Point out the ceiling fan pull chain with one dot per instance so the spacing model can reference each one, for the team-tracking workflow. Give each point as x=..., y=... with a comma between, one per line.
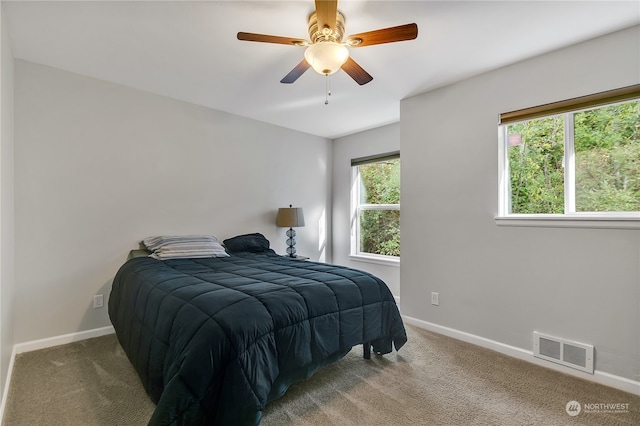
x=327, y=85
x=327, y=89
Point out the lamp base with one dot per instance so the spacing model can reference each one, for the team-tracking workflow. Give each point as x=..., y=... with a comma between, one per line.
x=291, y=242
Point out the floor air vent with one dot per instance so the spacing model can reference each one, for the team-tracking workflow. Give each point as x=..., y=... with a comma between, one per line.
x=565, y=352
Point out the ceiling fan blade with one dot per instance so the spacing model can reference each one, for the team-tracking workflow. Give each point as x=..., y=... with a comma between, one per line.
x=385, y=35
x=356, y=72
x=296, y=72
x=326, y=12
x=271, y=39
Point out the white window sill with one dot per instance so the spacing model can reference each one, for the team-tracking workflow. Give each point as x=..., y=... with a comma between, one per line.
x=631, y=221
x=380, y=260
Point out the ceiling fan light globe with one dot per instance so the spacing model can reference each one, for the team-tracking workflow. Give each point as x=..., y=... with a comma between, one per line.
x=326, y=57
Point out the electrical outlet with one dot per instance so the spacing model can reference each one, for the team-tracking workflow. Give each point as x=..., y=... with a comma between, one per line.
x=98, y=301
x=434, y=298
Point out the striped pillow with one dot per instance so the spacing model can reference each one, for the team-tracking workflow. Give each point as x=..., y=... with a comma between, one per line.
x=184, y=246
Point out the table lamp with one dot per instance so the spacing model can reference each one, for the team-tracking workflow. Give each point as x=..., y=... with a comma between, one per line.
x=290, y=217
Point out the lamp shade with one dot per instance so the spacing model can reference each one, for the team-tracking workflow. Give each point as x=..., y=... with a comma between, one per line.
x=290, y=217
x=326, y=57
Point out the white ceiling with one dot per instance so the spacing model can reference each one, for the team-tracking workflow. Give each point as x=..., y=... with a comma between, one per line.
x=188, y=50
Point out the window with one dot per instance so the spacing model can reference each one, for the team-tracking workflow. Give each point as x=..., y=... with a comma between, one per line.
x=375, y=195
x=577, y=159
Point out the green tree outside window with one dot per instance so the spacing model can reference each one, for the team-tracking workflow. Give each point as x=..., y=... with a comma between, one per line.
x=607, y=161
x=379, y=207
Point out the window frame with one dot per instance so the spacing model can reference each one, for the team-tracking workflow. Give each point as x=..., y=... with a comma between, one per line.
x=570, y=218
x=357, y=208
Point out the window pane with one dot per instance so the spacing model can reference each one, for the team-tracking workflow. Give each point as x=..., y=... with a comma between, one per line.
x=607, y=153
x=536, y=151
x=380, y=182
x=380, y=232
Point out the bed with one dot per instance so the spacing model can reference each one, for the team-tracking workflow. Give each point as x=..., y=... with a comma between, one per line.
x=214, y=339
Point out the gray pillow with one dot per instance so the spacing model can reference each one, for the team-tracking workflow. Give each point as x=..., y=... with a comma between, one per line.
x=184, y=246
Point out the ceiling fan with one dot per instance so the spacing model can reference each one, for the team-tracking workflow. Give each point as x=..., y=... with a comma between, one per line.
x=326, y=53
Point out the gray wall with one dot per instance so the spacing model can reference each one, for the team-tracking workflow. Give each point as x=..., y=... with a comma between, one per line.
x=7, y=269
x=502, y=283
x=376, y=141
x=99, y=166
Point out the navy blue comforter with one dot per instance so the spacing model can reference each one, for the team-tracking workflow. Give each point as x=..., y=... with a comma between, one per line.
x=214, y=340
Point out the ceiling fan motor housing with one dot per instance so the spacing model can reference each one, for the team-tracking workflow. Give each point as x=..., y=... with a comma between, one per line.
x=326, y=34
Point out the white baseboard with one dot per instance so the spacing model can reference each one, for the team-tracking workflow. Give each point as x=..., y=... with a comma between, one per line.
x=35, y=345
x=617, y=382
x=5, y=392
x=42, y=344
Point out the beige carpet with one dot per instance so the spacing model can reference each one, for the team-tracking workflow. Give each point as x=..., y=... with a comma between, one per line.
x=434, y=380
